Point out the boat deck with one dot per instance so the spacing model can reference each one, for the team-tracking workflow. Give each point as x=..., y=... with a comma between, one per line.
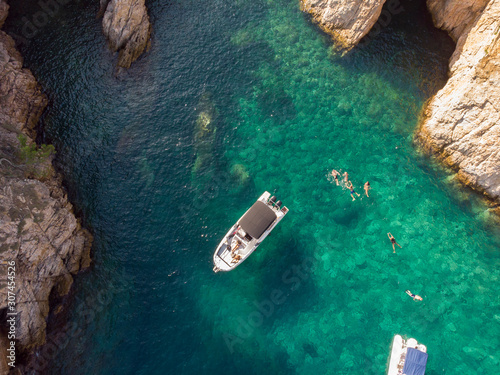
x=248, y=232
x=238, y=249
x=399, y=350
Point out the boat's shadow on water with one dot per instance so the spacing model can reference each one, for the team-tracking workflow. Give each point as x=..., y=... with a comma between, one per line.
x=287, y=285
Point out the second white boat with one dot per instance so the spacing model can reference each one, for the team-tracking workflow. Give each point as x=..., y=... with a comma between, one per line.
x=408, y=357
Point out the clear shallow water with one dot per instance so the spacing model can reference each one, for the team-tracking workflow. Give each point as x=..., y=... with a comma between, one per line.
x=286, y=111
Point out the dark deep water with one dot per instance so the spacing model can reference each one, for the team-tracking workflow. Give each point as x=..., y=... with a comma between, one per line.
x=286, y=110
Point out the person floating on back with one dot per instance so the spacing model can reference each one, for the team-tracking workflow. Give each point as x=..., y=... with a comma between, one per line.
x=414, y=296
x=335, y=175
x=367, y=187
x=351, y=188
x=393, y=241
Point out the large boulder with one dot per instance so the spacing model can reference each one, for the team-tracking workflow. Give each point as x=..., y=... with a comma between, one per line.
x=126, y=25
x=461, y=122
x=347, y=21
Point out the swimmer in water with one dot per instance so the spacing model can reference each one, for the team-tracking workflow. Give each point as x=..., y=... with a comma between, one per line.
x=351, y=189
x=393, y=241
x=335, y=175
x=414, y=296
x=346, y=177
x=367, y=187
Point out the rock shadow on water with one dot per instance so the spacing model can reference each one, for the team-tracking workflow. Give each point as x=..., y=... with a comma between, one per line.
x=347, y=216
x=272, y=359
x=310, y=348
x=130, y=136
x=127, y=151
x=146, y=170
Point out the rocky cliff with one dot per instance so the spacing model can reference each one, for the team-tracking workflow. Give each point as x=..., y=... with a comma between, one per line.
x=126, y=25
x=38, y=230
x=455, y=16
x=347, y=21
x=461, y=123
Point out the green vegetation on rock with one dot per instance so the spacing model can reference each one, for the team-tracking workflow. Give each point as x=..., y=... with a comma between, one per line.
x=35, y=158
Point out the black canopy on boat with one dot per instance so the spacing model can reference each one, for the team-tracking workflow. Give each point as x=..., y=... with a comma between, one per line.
x=258, y=218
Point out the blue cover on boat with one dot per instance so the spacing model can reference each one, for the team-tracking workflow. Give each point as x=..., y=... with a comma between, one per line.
x=415, y=362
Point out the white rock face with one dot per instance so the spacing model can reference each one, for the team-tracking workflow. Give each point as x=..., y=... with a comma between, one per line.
x=126, y=25
x=462, y=121
x=347, y=21
x=455, y=16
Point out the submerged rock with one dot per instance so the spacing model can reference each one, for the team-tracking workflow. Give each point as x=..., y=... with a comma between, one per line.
x=146, y=171
x=127, y=27
x=347, y=21
x=240, y=175
x=204, y=138
x=460, y=123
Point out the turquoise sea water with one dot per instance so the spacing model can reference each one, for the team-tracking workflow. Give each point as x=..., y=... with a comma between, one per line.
x=324, y=294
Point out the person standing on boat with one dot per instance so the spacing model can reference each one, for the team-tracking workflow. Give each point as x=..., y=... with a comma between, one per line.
x=414, y=296
x=351, y=189
x=335, y=175
x=367, y=187
x=393, y=241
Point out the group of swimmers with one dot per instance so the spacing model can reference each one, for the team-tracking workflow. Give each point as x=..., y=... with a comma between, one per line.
x=348, y=184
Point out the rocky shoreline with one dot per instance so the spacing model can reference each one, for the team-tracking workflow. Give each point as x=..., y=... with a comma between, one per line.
x=38, y=230
x=460, y=123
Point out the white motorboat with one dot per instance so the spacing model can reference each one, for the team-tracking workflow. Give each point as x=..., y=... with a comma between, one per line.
x=408, y=357
x=248, y=232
